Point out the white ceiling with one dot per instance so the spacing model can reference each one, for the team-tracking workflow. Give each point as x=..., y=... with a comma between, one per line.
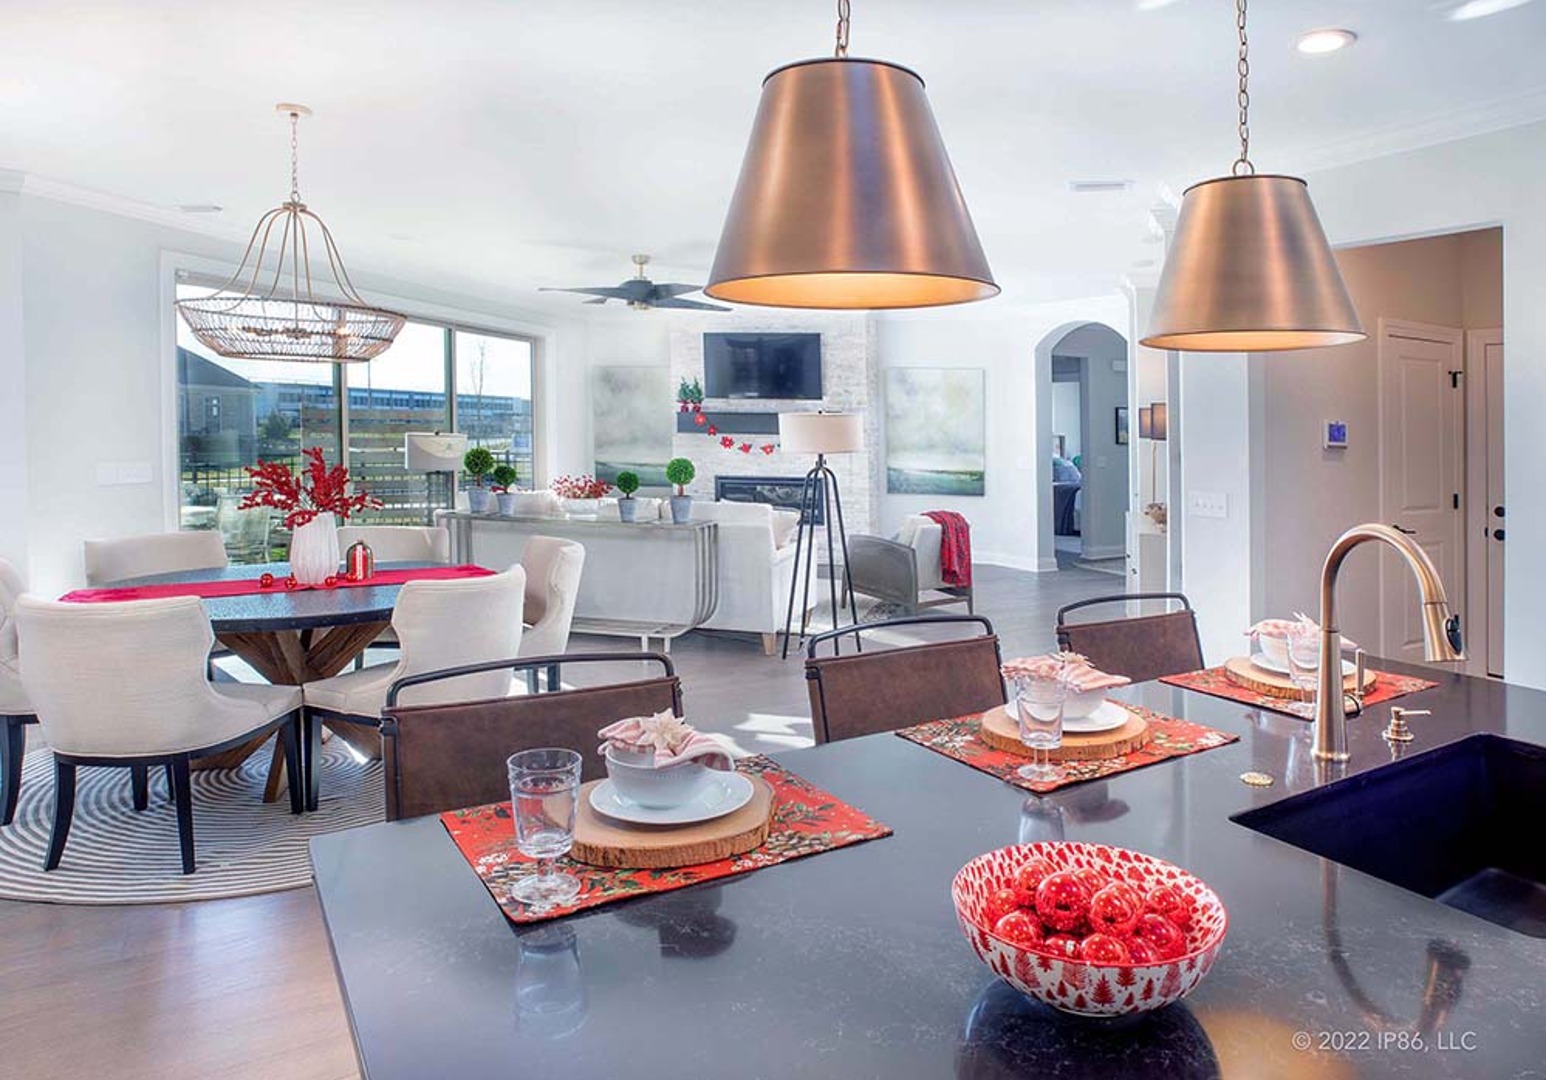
x=511, y=144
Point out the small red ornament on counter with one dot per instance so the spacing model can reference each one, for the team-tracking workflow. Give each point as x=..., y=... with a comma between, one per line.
x=266, y=580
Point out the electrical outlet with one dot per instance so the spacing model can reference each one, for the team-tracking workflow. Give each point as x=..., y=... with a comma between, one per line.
x=1207, y=504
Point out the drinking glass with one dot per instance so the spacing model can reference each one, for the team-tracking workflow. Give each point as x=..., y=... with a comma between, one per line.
x=544, y=793
x=1039, y=709
x=1304, y=659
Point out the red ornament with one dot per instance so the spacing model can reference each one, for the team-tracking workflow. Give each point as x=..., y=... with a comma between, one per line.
x=682, y=406
x=330, y=582
x=291, y=583
x=700, y=419
x=726, y=441
x=713, y=430
x=266, y=581
x=746, y=448
x=696, y=407
x=768, y=448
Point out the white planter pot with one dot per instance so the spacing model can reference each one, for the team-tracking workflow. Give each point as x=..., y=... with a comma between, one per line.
x=681, y=509
x=627, y=509
x=480, y=500
x=314, y=554
x=506, y=503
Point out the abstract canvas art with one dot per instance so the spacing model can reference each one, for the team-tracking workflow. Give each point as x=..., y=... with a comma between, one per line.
x=633, y=417
x=936, y=431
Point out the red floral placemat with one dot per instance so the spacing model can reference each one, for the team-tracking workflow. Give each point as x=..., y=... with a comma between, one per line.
x=1215, y=681
x=1168, y=738
x=806, y=821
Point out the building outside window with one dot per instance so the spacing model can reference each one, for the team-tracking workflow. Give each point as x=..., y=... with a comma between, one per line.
x=231, y=413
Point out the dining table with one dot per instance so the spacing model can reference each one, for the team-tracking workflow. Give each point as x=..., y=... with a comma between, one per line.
x=850, y=963
x=291, y=637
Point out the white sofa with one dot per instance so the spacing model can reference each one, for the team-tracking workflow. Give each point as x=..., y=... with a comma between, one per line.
x=756, y=565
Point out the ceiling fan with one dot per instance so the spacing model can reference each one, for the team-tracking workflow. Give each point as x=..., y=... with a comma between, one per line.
x=642, y=294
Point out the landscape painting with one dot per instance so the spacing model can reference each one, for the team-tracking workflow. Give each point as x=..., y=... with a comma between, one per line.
x=936, y=431
x=633, y=418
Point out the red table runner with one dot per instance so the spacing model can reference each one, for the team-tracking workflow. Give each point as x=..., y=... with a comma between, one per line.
x=806, y=821
x=1168, y=738
x=248, y=586
x=1215, y=681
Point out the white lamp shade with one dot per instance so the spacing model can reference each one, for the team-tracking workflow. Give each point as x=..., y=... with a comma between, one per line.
x=432, y=451
x=821, y=432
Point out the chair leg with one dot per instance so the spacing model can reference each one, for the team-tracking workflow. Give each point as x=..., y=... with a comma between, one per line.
x=311, y=729
x=139, y=779
x=553, y=680
x=531, y=680
x=295, y=770
x=64, y=810
x=12, y=748
x=183, y=795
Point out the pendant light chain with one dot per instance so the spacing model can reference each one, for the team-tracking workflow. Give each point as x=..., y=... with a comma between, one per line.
x=842, y=30
x=1243, y=166
x=295, y=159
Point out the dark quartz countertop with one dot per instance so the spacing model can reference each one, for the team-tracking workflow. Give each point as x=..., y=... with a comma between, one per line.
x=850, y=964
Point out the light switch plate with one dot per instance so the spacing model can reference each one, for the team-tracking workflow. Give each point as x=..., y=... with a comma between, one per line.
x=1208, y=504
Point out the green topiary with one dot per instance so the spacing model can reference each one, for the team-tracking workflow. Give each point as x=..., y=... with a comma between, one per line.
x=478, y=463
x=504, y=477
x=680, y=472
x=627, y=483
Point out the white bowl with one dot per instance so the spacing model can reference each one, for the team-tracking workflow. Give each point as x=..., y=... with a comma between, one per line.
x=1274, y=647
x=1081, y=703
x=638, y=781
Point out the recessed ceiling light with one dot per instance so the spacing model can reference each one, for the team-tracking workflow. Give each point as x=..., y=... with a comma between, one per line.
x=1098, y=187
x=200, y=208
x=1480, y=9
x=1320, y=42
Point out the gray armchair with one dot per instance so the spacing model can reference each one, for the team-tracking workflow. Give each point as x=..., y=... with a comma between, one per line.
x=904, y=570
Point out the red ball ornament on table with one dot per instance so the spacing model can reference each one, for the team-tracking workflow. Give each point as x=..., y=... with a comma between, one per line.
x=1115, y=909
x=1062, y=900
x=291, y=583
x=1019, y=928
x=266, y=581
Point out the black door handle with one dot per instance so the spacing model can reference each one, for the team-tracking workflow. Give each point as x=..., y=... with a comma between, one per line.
x=1497, y=534
x=1497, y=511
x=1399, y=529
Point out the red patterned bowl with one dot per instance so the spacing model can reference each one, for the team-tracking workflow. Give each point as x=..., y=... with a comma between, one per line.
x=1078, y=986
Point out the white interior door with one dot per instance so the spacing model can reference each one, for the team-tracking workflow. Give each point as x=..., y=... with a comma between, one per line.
x=1421, y=468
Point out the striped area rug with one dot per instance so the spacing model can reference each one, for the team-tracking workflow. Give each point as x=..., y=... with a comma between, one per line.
x=116, y=856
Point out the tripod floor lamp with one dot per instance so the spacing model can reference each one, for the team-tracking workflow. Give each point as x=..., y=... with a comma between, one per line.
x=819, y=433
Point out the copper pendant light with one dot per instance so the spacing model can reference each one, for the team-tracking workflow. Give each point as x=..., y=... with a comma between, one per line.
x=846, y=197
x=274, y=314
x=1250, y=269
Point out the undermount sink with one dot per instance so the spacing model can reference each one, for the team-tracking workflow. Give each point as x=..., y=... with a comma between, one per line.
x=1439, y=824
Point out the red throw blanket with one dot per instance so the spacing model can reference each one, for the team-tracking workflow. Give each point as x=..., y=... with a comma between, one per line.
x=247, y=586
x=955, y=548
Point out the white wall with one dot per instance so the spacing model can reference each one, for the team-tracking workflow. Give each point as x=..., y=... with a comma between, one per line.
x=1488, y=180
x=1104, y=498
x=1066, y=418
x=95, y=294
x=1012, y=522
x=13, y=381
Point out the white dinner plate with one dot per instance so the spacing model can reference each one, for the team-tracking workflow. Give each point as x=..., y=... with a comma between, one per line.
x=1266, y=663
x=721, y=793
x=1107, y=717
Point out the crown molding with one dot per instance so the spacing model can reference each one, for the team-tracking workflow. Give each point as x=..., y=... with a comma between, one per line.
x=46, y=187
x=1484, y=118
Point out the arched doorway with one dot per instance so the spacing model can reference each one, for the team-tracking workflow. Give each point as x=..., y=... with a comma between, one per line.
x=1084, y=434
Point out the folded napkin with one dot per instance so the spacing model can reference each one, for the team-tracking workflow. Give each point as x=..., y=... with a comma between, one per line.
x=667, y=740
x=1075, y=670
x=1279, y=628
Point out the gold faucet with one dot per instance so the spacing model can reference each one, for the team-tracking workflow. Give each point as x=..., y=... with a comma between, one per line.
x=1441, y=629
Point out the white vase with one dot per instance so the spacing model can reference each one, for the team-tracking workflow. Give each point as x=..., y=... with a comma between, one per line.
x=314, y=554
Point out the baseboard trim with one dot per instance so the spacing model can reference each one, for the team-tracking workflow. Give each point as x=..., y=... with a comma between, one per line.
x=1109, y=552
x=1013, y=562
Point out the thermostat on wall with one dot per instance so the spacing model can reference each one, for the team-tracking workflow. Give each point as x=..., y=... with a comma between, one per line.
x=1336, y=434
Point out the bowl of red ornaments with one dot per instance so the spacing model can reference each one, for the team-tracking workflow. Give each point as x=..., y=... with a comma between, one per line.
x=1089, y=929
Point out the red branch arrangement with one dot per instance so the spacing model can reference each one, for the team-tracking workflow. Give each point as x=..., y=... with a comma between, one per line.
x=316, y=489
x=580, y=487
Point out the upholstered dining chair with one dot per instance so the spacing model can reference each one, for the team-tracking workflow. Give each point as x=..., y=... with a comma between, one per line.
x=15, y=709
x=1142, y=647
x=400, y=543
x=553, y=568
x=123, y=685
x=439, y=624
x=866, y=692
x=108, y=561
x=450, y=755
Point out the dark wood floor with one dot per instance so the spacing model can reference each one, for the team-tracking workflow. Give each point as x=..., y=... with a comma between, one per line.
x=245, y=989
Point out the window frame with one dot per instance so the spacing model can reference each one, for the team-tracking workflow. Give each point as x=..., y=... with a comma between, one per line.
x=184, y=269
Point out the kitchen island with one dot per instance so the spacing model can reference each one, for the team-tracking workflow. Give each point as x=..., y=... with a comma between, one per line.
x=850, y=963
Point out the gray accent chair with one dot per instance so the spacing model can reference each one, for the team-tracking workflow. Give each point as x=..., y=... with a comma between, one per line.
x=904, y=570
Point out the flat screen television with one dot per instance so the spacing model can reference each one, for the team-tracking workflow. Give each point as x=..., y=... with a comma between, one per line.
x=762, y=366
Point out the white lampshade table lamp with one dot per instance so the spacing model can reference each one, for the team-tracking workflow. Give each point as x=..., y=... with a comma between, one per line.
x=819, y=433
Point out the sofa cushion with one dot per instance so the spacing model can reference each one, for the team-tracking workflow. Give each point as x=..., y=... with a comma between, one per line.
x=785, y=522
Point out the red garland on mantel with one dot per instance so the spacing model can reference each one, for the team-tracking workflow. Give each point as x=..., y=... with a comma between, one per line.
x=700, y=418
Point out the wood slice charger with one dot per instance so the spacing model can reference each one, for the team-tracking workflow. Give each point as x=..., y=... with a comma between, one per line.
x=1240, y=671
x=1000, y=731
x=600, y=841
